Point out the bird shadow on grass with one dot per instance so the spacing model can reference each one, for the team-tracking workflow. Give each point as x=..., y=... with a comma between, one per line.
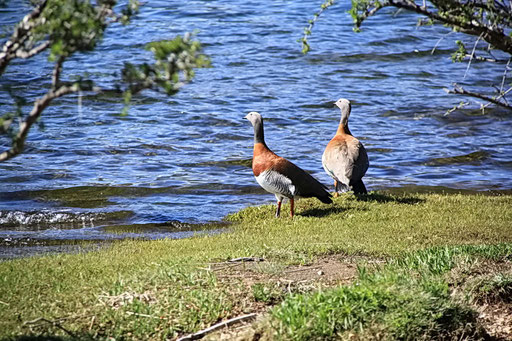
x=371, y=197
x=326, y=211
x=384, y=198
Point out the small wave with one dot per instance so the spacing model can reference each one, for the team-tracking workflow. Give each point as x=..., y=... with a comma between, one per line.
x=23, y=220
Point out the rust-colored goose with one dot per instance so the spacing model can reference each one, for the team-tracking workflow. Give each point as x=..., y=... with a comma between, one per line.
x=278, y=175
x=345, y=158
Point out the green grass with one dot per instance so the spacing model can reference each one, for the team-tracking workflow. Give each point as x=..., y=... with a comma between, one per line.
x=268, y=293
x=408, y=299
x=160, y=289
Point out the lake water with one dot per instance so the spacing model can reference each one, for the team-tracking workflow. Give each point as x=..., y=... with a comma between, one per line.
x=176, y=162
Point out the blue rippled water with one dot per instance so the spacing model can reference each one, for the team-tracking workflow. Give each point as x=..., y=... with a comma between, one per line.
x=185, y=158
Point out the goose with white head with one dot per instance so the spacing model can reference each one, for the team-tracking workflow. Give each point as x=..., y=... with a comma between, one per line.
x=345, y=158
x=278, y=175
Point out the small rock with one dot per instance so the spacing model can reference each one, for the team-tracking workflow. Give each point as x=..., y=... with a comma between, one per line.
x=320, y=272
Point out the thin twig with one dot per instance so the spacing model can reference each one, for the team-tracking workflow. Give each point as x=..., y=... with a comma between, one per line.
x=472, y=55
x=246, y=259
x=241, y=259
x=484, y=59
x=397, y=12
x=504, y=76
x=200, y=334
x=53, y=323
x=307, y=31
x=501, y=95
x=439, y=41
x=227, y=267
x=459, y=106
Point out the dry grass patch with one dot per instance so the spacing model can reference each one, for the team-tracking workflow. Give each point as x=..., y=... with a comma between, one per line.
x=487, y=286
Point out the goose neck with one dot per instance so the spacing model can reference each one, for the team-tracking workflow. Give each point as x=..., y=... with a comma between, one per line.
x=343, y=129
x=258, y=132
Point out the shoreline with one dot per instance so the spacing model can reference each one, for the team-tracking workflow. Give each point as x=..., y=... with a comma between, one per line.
x=11, y=248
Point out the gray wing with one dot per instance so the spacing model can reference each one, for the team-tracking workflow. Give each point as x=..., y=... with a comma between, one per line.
x=360, y=163
x=346, y=162
x=305, y=185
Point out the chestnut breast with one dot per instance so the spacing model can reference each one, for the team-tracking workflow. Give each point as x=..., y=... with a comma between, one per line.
x=264, y=159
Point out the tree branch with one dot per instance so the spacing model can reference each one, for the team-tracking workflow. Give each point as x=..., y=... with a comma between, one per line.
x=49, y=23
x=495, y=100
x=307, y=31
x=11, y=47
x=487, y=20
x=39, y=106
x=493, y=36
x=370, y=12
x=56, y=72
x=27, y=54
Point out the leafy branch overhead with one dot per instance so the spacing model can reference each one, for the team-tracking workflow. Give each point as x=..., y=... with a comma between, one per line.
x=62, y=28
x=175, y=61
x=488, y=20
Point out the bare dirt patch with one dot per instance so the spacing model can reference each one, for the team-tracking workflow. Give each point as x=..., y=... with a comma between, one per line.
x=265, y=284
x=489, y=298
x=496, y=319
x=327, y=271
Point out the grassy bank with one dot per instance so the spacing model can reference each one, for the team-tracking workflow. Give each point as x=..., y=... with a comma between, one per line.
x=427, y=295
x=162, y=289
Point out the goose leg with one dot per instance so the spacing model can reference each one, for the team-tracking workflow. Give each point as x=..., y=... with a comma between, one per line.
x=278, y=210
x=336, y=188
x=292, y=207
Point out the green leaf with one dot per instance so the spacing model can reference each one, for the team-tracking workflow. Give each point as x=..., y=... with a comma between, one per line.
x=174, y=63
x=460, y=54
